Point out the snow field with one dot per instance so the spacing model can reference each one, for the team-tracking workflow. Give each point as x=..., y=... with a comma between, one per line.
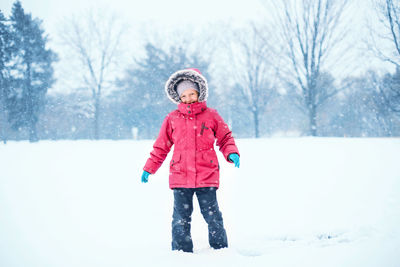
x=293, y=202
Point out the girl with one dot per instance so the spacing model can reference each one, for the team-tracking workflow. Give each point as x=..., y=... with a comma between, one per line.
x=194, y=167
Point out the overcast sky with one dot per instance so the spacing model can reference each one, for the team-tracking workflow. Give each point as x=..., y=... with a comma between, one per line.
x=171, y=11
x=141, y=14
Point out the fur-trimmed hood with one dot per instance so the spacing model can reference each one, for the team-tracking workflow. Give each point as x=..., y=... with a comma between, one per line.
x=193, y=75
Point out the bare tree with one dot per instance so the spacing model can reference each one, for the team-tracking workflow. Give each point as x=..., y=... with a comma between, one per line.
x=252, y=72
x=385, y=44
x=94, y=40
x=385, y=40
x=311, y=31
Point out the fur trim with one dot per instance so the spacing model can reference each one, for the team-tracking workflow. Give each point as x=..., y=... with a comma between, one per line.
x=187, y=74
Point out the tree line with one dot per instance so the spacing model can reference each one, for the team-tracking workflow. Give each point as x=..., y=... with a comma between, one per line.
x=273, y=77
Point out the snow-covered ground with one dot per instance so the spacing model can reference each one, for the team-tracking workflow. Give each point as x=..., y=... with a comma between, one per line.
x=293, y=202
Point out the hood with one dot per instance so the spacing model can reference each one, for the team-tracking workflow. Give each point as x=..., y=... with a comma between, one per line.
x=193, y=75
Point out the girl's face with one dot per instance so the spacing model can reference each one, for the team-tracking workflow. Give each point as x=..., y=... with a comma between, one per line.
x=189, y=96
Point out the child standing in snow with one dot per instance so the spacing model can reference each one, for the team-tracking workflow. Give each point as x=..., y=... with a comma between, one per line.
x=194, y=167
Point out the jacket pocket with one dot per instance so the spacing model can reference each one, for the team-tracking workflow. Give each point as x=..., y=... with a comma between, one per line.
x=210, y=159
x=175, y=164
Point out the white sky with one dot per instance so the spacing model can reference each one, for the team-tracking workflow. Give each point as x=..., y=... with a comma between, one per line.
x=175, y=11
x=145, y=15
x=141, y=15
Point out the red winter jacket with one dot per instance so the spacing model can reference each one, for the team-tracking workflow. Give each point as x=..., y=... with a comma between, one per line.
x=193, y=129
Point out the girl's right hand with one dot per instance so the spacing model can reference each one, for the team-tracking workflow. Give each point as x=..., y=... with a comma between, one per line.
x=145, y=177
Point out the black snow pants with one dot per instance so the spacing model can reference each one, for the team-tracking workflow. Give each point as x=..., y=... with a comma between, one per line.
x=182, y=216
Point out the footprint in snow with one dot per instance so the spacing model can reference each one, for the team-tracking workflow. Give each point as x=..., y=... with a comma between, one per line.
x=249, y=252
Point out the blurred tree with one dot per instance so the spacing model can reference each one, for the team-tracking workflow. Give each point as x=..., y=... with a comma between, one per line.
x=76, y=119
x=31, y=71
x=95, y=40
x=310, y=31
x=325, y=90
x=361, y=109
x=388, y=31
x=253, y=74
x=390, y=91
x=143, y=96
x=350, y=115
x=5, y=55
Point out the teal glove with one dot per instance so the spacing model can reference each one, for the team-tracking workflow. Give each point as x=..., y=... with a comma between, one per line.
x=235, y=159
x=145, y=177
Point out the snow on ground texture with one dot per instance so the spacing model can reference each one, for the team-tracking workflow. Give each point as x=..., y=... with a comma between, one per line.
x=293, y=202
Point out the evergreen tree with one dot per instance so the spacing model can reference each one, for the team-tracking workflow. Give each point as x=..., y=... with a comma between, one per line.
x=4, y=48
x=32, y=72
x=5, y=54
x=145, y=102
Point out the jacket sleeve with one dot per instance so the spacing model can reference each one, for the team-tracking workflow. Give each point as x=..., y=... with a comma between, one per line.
x=225, y=140
x=161, y=148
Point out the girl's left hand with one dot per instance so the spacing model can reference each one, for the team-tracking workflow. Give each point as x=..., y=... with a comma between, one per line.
x=235, y=159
